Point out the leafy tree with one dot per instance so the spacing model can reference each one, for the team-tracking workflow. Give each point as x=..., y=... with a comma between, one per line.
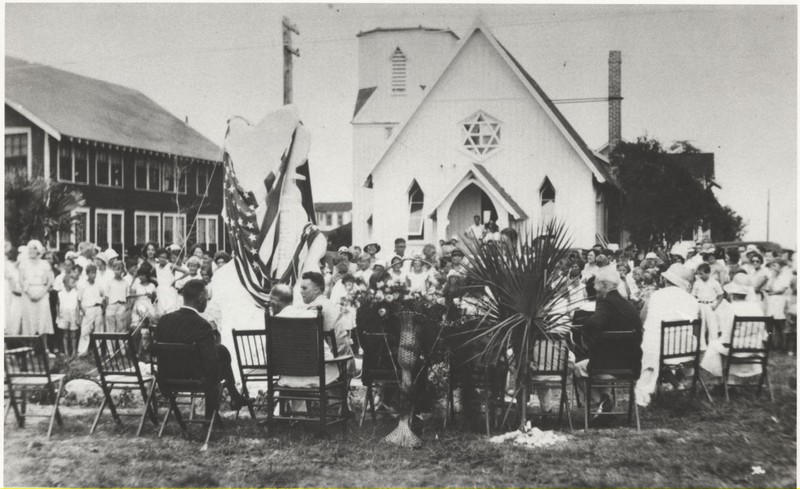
x=662, y=202
x=37, y=208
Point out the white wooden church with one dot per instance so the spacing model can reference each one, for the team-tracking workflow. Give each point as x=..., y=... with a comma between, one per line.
x=446, y=129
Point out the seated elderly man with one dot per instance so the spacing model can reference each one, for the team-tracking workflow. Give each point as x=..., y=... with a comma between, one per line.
x=671, y=303
x=186, y=325
x=612, y=313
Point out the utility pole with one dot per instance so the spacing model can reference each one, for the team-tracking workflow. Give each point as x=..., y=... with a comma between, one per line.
x=767, y=214
x=288, y=52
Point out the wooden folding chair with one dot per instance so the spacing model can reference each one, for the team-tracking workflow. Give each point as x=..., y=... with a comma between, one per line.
x=251, y=355
x=614, y=371
x=378, y=371
x=680, y=347
x=118, y=369
x=180, y=371
x=750, y=345
x=295, y=349
x=27, y=371
x=550, y=370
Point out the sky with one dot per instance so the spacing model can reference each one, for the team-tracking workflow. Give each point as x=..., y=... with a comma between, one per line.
x=722, y=77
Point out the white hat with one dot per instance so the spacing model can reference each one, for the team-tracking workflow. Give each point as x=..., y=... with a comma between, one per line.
x=71, y=255
x=679, y=250
x=679, y=275
x=741, y=284
x=651, y=255
x=379, y=263
x=751, y=247
x=612, y=247
x=111, y=253
x=174, y=247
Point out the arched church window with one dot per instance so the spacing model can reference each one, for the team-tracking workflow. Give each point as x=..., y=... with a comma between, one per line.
x=398, y=72
x=416, y=220
x=547, y=196
x=481, y=133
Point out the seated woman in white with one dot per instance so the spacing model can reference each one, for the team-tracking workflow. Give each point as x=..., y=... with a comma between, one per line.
x=738, y=291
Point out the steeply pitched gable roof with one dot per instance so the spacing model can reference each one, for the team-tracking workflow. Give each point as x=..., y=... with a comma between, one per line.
x=403, y=29
x=597, y=166
x=363, y=95
x=87, y=108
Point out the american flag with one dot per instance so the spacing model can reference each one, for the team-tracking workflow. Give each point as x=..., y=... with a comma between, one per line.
x=254, y=245
x=243, y=230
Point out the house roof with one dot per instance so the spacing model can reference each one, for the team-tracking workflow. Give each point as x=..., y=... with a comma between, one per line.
x=402, y=29
x=598, y=167
x=333, y=206
x=363, y=95
x=502, y=191
x=601, y=165
x=65, y=103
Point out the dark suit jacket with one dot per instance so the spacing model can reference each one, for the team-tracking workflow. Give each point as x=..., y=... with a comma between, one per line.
x=615, y=313
x=186, y=326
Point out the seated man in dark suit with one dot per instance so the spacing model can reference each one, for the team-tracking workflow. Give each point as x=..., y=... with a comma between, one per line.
x=612, y=313
x=187, y=326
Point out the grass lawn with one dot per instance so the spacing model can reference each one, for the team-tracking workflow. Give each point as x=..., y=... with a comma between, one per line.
x=683, y=443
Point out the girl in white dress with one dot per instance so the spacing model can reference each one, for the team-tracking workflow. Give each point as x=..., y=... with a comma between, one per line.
x=166, y=294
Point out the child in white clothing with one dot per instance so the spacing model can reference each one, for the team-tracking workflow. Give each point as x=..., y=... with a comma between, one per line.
x=709, y=294
x=67, y=319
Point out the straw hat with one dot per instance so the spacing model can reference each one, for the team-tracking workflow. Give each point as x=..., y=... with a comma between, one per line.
x=679, y=250
x=679, y=275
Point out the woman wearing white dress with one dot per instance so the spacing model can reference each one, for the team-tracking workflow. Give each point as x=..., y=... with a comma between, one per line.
x=590, y=269
x=776, y=295
x=13, y=296
x=738, y=291
x=36, y=278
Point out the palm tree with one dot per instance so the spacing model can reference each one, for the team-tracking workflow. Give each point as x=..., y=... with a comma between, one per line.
x=38, y=208
x=527, y=296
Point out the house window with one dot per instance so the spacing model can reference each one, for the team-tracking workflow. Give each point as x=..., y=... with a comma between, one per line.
x=17, y=152
x=79, y=228
x=73, y=164
x=147, y=227
x=206, y=233
x=328, y=219
x=108, y=228
x=147, y=174
x=171, y=173
x=108, y=169
x=398, y=72
x=204, y=173
x=416, y=220
x=174, y=226
x=547, y=197
x=481, y=134
x=340, y=218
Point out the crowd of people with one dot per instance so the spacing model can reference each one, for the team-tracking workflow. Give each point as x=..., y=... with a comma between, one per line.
x=67, y=296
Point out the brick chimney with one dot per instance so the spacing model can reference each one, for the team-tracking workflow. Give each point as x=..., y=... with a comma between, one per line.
x=614, y=99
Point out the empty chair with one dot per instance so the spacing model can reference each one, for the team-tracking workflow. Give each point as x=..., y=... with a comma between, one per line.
x=680, y=347
x=181, y=372
x=28, y=371
x=251, y=355
x=378, y=369
x=118, y=369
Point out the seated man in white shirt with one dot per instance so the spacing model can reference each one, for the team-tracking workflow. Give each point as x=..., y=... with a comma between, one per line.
x=312, y=288
x=280, y=304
